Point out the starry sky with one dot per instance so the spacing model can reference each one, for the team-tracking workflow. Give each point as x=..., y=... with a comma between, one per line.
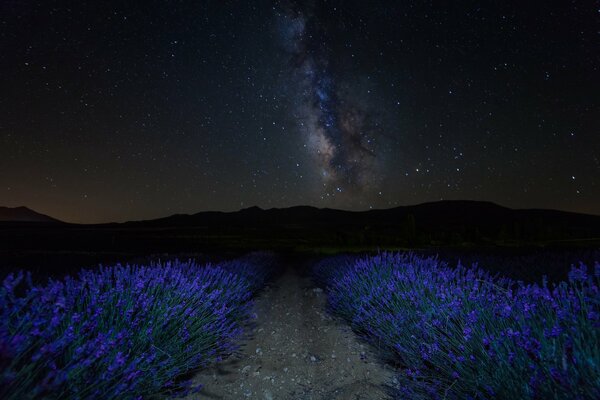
x=112, y=110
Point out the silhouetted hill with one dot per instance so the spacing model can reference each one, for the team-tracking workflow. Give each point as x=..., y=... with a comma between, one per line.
x=23, y=214
x=437, y=213
x=437, y=224
x=443, y=221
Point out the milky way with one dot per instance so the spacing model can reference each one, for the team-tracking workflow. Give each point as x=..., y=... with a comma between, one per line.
x=335, y=124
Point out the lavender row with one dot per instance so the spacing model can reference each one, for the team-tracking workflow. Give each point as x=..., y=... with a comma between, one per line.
x=124, y=332
x=460, y=333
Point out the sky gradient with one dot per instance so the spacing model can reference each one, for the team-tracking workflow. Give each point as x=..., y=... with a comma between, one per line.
x=113, y=112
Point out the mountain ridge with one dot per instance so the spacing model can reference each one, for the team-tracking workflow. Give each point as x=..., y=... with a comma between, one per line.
x=24, y=214
x=444, y=210
x=428, y=224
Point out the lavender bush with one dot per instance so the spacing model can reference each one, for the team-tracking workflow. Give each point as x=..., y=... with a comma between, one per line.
x=459, y=333
x=256, y=268
x=528, y=265
x=123, y=331
x=328, y=269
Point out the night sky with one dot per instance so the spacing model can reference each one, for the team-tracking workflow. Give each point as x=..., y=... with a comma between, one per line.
x=111, y=111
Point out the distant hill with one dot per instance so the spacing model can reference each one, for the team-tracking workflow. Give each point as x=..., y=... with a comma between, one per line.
x=444, y=221
x=23, y=214
x=462, y=212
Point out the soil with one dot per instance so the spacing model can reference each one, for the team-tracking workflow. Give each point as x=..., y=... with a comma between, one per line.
x=296, y=351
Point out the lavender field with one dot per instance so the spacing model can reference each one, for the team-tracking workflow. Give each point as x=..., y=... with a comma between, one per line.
x=434, y=329
x=123, y=332
x=461, y=333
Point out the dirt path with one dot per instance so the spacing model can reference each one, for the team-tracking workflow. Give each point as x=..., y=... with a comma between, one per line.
x=297, y=352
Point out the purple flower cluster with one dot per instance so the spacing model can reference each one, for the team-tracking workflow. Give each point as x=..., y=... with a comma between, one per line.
x=328, y=269
x=256, y=268
x=122, y=331
x=525, y=264
x=459, y=333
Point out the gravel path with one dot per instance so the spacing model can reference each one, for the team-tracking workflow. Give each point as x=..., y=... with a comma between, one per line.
x=297, y=351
